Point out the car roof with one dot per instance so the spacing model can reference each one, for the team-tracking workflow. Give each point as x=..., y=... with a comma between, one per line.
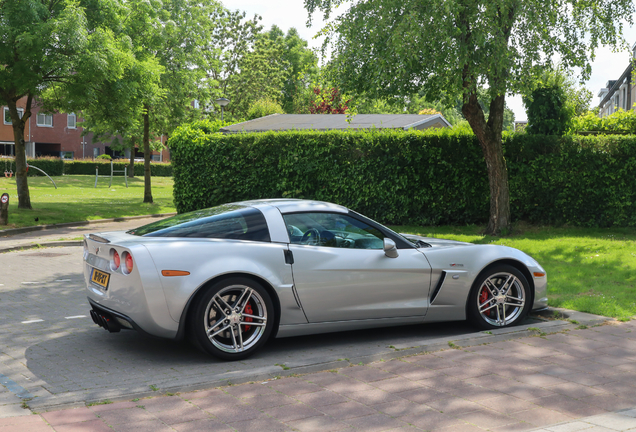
x=291, y=205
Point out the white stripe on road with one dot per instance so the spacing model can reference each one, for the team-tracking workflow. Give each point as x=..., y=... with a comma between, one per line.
x=62, y=280
x=32, y=321
x=76, y=316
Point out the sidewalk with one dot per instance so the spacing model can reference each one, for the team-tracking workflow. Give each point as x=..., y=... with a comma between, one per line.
x=68, y=235
x=582, y=379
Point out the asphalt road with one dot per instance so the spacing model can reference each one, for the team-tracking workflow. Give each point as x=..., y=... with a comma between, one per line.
x=51, y=353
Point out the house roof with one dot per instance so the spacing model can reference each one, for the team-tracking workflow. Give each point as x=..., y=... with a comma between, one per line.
x=614, y=85
x=284, y=122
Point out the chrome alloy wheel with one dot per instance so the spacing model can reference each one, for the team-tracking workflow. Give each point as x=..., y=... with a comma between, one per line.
x=235, y=318
x=501, y=299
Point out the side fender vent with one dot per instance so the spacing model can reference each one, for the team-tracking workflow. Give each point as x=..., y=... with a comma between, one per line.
x=438, y=287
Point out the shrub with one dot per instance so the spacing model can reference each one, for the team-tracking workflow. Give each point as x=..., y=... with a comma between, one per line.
x=577, y=180
x=104, y=156
x=262, y=108
x=51, y=165
x=620, y=122
x=87, y=167
x=396, y=177
x=432, y=177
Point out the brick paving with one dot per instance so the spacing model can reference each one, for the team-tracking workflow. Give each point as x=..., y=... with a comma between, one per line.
x=578, y=380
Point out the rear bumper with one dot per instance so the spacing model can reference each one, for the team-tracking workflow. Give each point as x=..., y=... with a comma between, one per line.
x=113, y=321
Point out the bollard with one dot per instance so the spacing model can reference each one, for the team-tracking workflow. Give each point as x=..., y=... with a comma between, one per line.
x=4, y=209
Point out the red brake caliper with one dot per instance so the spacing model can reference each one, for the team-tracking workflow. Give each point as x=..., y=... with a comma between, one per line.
x=483, y=297
x=248, y=310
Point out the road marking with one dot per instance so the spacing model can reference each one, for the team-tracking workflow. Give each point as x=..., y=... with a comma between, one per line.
x=32, y=321
x=1, y=284
x=75, y=316
x=62, y=280
x=15, y=388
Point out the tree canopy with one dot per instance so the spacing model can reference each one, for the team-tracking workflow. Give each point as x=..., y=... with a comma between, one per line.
x=554, y=102
x=66, y=44
x=168, y=72
x=456, y=47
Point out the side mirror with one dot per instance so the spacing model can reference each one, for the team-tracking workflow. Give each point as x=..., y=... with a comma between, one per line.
x=390, y=249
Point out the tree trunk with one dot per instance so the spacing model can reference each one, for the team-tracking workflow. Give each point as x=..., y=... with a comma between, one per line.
x=131, y=165
x=24, y=198
x=147, y=188
x=489, y=136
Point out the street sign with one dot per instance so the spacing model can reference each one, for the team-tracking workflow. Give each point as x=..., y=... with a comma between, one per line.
x=4, y=209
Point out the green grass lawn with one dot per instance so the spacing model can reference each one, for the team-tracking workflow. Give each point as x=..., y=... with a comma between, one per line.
x=76, y=199
x=589, y=270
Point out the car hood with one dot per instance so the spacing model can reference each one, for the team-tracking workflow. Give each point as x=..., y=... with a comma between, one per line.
x=437, y=242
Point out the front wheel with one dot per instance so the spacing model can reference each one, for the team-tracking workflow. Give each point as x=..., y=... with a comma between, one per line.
x=500, y=297
x=233, y=318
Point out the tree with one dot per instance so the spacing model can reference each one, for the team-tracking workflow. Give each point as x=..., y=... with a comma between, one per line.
x=262, y=73
x=233, y=38
x=299, y=62
x=553, y=103
x=262, y=108
x=329, y=100
x=168, y=72
x=456, y=47
x=65, y=43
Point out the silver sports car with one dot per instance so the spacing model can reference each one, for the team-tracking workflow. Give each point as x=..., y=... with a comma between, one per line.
x=230, y=277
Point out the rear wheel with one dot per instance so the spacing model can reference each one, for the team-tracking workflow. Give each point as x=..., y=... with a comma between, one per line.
x=501, y=297
x=233, y=319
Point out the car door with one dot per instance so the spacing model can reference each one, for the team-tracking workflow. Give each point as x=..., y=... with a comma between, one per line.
x=341, y=272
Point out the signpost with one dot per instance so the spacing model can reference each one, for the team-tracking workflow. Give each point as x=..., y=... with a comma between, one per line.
x=4, y=209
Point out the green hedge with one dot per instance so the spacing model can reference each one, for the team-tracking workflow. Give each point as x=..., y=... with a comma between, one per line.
x=395, y=177
x=578, y=180
x=436, y=177
x=57, y=167
x=87, y=167
x=51, y=166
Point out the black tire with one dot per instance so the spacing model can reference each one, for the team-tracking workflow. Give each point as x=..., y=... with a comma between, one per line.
x=500, y=297
x=221, y=311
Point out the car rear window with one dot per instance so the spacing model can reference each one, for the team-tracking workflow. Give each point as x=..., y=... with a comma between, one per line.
x=223, y=222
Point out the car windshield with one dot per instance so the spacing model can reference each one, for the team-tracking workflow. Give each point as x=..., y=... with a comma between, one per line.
x=229, y=221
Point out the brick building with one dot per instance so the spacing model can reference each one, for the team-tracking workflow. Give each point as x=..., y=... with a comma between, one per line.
x=58, y=135
x=7, y=142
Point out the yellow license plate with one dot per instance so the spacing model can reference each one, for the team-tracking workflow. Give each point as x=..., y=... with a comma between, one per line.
x=100, y=278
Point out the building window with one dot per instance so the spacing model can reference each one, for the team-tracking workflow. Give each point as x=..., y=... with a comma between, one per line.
x=71, y=121
x=45, y=120
x=7, y=115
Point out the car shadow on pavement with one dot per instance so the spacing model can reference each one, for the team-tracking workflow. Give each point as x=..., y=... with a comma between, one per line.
x=89, y=359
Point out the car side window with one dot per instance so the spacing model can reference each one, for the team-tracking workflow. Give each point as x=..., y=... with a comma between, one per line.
x=332, y=230
x=236, y=224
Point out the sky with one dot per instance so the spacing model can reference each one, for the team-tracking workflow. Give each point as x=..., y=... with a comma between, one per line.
x=292, y=13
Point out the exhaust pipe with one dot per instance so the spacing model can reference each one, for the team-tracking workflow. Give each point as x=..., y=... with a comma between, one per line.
x=106, y=321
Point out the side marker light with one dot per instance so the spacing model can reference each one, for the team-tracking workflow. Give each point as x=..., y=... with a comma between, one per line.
x=174, y=273
x=538, y=274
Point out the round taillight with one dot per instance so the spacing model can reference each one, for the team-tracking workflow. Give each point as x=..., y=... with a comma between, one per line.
x=128, y=260
x=115, y=261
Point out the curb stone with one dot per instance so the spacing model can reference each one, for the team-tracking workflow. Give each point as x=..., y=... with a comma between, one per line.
x=42, y=245
x=14, y=231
